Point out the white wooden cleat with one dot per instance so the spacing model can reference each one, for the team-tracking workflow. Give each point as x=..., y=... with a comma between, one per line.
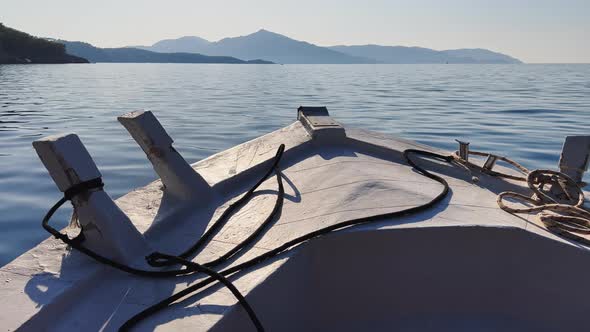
x=106, y=228
x=178, y=177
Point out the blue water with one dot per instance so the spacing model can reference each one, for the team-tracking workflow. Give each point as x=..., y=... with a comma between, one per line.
x=522, y=111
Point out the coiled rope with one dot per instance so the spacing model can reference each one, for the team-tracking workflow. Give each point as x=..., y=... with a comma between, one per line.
x=564, y=219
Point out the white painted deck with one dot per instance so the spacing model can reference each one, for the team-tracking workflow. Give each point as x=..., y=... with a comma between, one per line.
x=463, y=265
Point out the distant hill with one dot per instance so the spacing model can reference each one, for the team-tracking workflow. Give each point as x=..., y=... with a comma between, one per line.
x=281, y=49
x=17, y=47
x=480, y=55
x=134, y=55
x=402, y=54
x=188, y=44
x=259, y=45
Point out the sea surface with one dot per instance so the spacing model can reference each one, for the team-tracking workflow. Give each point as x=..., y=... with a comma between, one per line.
x=521, y=111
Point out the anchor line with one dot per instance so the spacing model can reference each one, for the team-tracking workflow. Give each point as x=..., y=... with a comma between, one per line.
x=304, y=238
x=562, y=219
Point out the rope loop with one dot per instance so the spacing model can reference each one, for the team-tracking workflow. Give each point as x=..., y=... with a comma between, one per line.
x=157, y=259
x=537, y=179
x=562, y=218
x=83, y=187
x=562, y=215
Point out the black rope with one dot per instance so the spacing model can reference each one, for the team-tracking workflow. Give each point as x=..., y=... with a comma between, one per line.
x=215, y=275
x=222, y=220
x=190, y=266
x=208, y=235
x=275, y=252
x=159, y=259
x=83, y=187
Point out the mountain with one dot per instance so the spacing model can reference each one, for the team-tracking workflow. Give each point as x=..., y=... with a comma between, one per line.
x=17, y=47
x=281, y=49
x=188, y=44
x=262, y=44
x=480, y=55
x=131, y=55
x=402, y=54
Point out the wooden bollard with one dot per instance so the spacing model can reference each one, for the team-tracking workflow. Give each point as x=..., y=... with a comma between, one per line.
x=178, y=177
x=106, y=228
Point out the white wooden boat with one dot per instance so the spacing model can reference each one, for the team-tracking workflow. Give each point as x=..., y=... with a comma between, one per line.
x=413, y=257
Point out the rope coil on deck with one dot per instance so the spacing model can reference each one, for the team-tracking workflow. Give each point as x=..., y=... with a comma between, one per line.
x=564, y=219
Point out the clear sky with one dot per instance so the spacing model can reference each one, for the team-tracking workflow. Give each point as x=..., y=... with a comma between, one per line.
x=531, y=30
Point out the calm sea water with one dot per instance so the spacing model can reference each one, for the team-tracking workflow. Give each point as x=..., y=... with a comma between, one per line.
x=522, y=111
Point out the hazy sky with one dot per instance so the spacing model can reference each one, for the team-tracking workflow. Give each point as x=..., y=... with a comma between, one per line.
x=531, y=30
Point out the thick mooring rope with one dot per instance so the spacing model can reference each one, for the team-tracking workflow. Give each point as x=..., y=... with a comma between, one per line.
x=564, y=219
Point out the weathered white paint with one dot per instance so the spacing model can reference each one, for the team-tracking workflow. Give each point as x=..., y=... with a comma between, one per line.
x=106, y=228
x=178, y=177
x=66, y=159
x=464, y=260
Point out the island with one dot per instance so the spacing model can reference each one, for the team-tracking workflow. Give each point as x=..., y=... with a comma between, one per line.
x=278, y=48
x=261, y=47
x=134, y=55
x=17, y=47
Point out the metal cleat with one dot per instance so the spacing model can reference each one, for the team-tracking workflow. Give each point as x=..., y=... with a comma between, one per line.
x=178, y=177
x=463, y=150
x=490, y=162
x=106, y=228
